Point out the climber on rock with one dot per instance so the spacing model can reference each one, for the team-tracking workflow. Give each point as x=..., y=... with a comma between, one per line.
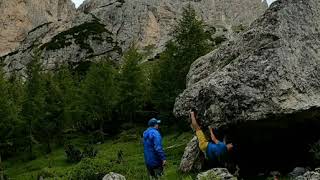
x=214, y=150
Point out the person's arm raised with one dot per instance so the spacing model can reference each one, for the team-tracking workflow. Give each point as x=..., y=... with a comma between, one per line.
x=213, y=137
x=194, y=123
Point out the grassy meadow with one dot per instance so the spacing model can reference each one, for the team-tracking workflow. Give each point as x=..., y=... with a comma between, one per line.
x=130, y=164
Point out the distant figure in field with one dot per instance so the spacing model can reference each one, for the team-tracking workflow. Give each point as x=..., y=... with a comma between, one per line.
x=154, y=155
x=214, y=150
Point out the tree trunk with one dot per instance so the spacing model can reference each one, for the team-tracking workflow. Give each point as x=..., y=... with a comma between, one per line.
x=48, y=147
x=101, y=130
x=1, y=170
x=30, y=140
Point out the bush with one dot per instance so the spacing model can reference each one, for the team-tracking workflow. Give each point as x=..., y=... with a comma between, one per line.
x=96, y=137
x=73, y=154
x=89, y=152
x=89, y=169
x=219, y=39
x=46, y=173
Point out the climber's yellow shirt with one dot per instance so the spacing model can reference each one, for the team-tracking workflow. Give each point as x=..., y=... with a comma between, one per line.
x=203, y=142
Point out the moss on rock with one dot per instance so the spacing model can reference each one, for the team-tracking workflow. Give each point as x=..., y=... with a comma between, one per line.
x=80, y=36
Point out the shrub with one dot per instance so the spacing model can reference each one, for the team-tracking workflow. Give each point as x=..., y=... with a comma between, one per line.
x=89, y=152
x=219, y=39
x=96, y=137
x=46, y=173
x=89, y=169
x=73, y=154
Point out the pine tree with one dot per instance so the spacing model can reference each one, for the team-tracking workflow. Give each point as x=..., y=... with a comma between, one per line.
x=99, y=95
x=164, y=82
x=49, y=125
x=132, y=85
x=34, y=101
x=9, y=119
x=69, y=93
x=190, y=41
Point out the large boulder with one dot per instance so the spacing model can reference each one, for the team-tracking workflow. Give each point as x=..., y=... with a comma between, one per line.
x=271, y=69
x=269, y=76
x=190, y=159
x=298, y=171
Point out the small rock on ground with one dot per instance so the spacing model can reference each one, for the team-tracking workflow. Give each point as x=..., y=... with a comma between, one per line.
x=216, y=174
x=113, y=176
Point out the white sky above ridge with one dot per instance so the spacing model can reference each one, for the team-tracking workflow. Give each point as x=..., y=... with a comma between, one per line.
x=270, y=1
x=78, y=2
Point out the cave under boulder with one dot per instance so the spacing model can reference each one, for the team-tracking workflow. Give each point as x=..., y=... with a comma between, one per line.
x=262, y=89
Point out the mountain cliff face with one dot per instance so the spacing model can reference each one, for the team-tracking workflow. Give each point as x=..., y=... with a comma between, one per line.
x=106, y=28
x=18, y=17
x=82, y=38
x=149, y=22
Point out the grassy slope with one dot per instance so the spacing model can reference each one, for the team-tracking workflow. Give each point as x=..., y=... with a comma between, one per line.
x=132, y=167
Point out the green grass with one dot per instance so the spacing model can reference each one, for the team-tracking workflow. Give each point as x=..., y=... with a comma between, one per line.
x=55, y=165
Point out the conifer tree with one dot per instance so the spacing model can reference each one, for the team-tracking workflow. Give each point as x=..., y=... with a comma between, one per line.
x=69, y=92
x=34, y=100
x=131, y=84
x=190, y=41
x=99, y=95
x=9, y=120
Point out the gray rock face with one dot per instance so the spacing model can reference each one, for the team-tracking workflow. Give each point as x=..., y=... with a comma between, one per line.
x=150, y=22
x=73, y=42
x=145, y=23
x=271, y=70
x=190, y=159
x=113, y=176
x=298, y=171
x=310, y=175
x=216, y=173
x=269, y=74
x=18, y=17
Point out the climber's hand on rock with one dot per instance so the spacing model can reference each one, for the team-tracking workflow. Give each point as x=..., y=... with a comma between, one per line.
x=192, y=114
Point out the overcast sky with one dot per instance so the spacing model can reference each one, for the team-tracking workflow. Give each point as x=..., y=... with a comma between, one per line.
x=78, y=2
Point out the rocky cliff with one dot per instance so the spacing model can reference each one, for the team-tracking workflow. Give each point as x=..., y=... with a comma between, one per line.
x=73, y=42
x=263, y=86
x=18, y=17
x=149, y=23
x=116, y=24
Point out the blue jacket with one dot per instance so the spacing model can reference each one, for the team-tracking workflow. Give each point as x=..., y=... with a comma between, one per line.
x=153, y=151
